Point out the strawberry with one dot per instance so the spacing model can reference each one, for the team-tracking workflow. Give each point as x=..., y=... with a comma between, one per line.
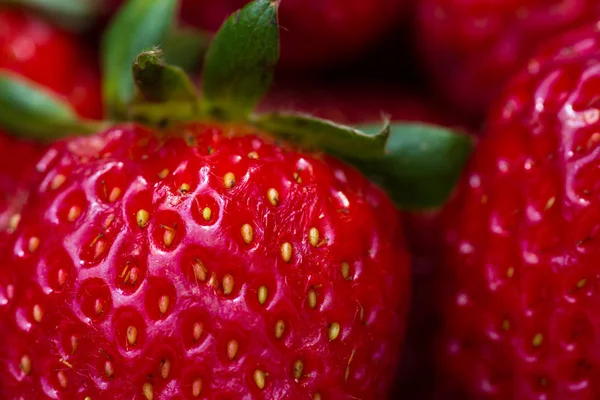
x=473, y=47
x=275, y=268
x=206, y=250
x=521, y=268
x=315, y=33
x=51, y=57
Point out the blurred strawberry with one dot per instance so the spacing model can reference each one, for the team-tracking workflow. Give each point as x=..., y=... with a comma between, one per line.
x=473, y=46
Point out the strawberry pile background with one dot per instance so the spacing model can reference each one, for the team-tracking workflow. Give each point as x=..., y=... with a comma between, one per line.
x=440, y=61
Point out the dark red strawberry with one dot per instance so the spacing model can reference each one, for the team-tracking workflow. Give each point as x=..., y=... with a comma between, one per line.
x=472, y=47
x=45, y=54
x=315, y=33
x=521, y=279
x=276, y=272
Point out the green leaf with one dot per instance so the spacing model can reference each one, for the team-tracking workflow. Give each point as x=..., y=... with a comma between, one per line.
x=139, y=25
x=319, y=134
x=422, y=163
x=29, y=110
x=185, y=47
x=160, y=82
x=71, y=14
x=238, y=68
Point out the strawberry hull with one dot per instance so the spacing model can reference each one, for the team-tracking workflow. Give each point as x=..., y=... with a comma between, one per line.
x=201, y=263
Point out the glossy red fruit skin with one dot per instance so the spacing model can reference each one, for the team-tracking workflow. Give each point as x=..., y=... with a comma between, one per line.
x=473, y=47
x=521, y=275
x=80, y=238
x=58, y=61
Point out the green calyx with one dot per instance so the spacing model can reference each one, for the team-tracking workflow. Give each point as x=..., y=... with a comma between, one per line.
x=417, y=164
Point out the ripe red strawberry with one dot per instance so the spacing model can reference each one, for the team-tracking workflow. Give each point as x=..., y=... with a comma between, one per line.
x=521, y=303
x=472, y=47
x=201, y=264
x=35, y=49
x=314, y=32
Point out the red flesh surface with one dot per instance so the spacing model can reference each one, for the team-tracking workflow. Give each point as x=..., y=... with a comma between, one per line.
x=521, y=302
x=80, y=274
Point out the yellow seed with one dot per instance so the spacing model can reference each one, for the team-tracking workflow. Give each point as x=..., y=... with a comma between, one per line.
x=196, y=388
x=312, y=298
x=313, y=236
x=581, y=283
x=286, y=252
x=259, y=379
x=74, y=343
x=114, y=194
x=262, y=295
x=62, y=379
x=199, y=270
x=550, y=203
x=273, y=196
x=99, y=248
x=232, y=349
x=168, y=237
x=333, y=331
x=132, y=335
x=87, y=398
x=247, y=233
x=37, y=313
x=109, y=369
x=74, y=213
x=253, y=155
x=163, y=304
x=142, y=217
x=506, y=324
x=298, y=368
x=510, y=272
x=57, y=181
x=148, y=391
x=165, y=368
x=25, y=365
x=163, y=173
x=197, y=331
x=65, y=362
x=34, y=243
x=345, y=270
x=98, y=306
x=206, y=213
x=538, y=338
x=229, y=180
x=317, y=396
x=14, y=221
x=227, y=284
x=279, y=329
x=297, y=177
x=184, y=188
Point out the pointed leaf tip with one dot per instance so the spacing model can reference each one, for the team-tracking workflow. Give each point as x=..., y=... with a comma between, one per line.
x=323, y=135
x=239, y=64
x=157, y=81
x=422, y=163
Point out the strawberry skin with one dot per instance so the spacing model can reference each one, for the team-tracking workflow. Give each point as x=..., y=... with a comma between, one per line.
x=201, y=265
x=521, y=276
x=31, y=47
x=472, y=47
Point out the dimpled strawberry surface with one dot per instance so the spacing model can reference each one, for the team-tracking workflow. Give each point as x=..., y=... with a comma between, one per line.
x=522, y=308
x=200, y=264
